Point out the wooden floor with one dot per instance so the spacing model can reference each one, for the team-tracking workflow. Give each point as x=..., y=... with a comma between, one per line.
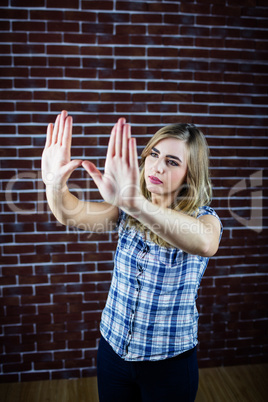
x=220, y=384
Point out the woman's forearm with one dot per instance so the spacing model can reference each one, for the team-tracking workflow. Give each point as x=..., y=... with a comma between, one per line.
x=87, y=215
x=64, y=205
x=194, y=236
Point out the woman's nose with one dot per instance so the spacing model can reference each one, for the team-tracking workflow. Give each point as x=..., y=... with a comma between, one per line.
x=159, y=166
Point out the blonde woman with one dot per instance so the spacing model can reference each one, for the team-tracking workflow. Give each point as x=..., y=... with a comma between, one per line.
x=167, y=232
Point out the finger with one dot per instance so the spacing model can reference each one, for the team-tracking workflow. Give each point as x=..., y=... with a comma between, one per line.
x=56, y=129
x=71, y=166
x=49, y=135
x=68, y=169
x=111, y=144
x=67, y=134
x=133, y=155
x=63, y=117
x=93, y=172
x=118, y=137
x=125, y=146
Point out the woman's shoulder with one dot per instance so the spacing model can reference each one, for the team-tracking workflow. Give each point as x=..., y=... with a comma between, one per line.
x=206, y=210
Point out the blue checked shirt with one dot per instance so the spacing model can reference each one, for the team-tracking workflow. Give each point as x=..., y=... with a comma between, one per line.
x=150, y=313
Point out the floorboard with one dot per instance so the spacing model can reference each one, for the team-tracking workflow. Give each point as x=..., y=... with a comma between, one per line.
x=218, y=384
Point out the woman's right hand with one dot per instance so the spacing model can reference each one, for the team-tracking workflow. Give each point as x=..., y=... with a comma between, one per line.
x=57, y=166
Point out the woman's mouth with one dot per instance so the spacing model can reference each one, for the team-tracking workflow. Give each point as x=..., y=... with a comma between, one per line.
x=155, y=180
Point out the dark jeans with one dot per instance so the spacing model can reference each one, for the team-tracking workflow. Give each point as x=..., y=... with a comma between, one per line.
x=173, y=380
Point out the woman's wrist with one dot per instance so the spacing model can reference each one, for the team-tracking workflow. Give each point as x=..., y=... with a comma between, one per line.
x=60, y=189
x=135, y=207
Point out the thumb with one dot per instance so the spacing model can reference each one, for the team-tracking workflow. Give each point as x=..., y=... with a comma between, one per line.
x=93, y=172
x=70, y=167
x=74, y=164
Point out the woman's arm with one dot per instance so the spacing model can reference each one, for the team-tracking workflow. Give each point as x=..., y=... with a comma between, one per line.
x=90, y=216
x=56, y=169
x=195, y=236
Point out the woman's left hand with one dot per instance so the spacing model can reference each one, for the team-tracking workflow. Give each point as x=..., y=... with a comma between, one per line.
x=119, y=185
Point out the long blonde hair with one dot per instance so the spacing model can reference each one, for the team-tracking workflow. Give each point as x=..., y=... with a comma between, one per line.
x=197, y=190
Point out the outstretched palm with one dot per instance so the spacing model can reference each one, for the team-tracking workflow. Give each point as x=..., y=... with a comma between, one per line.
x=56, y=159
x=119, y=185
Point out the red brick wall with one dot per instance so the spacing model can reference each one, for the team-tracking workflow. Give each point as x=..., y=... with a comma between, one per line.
x=154, y=62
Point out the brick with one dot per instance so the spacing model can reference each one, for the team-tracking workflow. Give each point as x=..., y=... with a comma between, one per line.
x=163, y=52
x=94, y=5
x=15, y=95
x=28, y=26
x=146, y=18
x=193, y=65
x=195, y=8
x=13, y=13
x=15, y=72
x=51, y=346
x=130, y=51
x=27, y=3
x=113, y=39
x=65, y=83
x=46, y=14
x=62, y=4
x=79, y=38
x=162, y=86
x=130, y=85
x=130, y=29
x=177, y=41
x=30, y=83
x=45, y=37
x=194, y=31
x=163, y=30
x=163, y=64
x=6, y=83
x=97, y=63
x=10, y=37
x=96, y=51
x=123, y=64
x=131, y=6
x=64, y=278
x=146, y=97
x=97, y=28
x=6, y=61
x=193, y=108
x=62, y=26
x=225, y=10
x=162, y=108
x=62, y=62
x=26, y=106
x=145, y=40
x=29, y=61
x=9, y=368
x=79, y=16
x=129, y=108
x=155, y=63
x=10, y=153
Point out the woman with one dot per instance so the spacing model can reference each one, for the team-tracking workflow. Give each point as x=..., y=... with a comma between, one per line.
x=167, y=233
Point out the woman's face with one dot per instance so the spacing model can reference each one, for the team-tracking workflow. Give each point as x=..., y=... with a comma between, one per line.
x=165, y=170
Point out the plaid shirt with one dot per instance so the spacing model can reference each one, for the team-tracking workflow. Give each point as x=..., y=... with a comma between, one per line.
x=150, y=313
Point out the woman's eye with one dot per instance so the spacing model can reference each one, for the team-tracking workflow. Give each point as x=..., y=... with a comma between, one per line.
x=172, y=163
x=154, y=154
